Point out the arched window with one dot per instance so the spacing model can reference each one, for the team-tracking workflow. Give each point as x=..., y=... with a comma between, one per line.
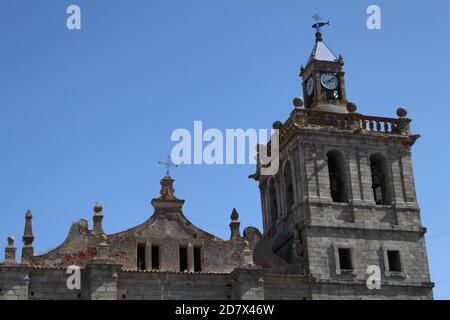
x=289, y=186
x=273, y=202
x=379, y=185
x=337, y=177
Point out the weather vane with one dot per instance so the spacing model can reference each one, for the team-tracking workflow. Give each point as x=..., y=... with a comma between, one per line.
x=319, y=24
x=169, y=164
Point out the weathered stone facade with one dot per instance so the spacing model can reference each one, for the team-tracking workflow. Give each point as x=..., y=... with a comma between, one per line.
x=343, y=201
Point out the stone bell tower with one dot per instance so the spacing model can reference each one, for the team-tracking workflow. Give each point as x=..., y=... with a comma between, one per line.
x=343, y=202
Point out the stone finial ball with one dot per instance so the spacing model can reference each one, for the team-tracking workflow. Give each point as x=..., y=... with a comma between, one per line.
x=98, y=207
x=351, y=107
x=11, y=240
x=298, y=102
x=402, y=112
x=277, y=125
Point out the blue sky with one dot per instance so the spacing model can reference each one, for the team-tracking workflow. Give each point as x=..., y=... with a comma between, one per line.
x=86, y=115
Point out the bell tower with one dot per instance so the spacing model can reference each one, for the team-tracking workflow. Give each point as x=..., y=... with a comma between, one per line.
x=323, y=78
x=344, y=199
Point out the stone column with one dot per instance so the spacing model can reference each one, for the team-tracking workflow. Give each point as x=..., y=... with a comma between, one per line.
x=148, y=255
x=190, y=257
x=341, y=76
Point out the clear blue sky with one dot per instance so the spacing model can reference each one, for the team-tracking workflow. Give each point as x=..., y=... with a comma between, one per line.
x=86, y=115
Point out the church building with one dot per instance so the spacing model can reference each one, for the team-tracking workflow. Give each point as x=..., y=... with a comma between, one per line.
x=340, y=221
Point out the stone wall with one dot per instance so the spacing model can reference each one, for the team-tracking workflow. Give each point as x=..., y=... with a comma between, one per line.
x=103, y=281
x=336, y=291
x=278, y=287
x=173, y=286
x=50, y=284
x=14, y=282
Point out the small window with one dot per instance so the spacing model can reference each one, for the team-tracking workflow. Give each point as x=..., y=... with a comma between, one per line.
x=141, y=256
x=155, y=257
x=197, y=259
x=394, y=261
x=183, y=259
x=345, y=259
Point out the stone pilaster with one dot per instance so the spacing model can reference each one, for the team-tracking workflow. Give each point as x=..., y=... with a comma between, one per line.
x=10, y=251
x=99, y=280
x=190, y=257
x=148, y=255
x=247, y=256
x=248, y=284
x=14, y=282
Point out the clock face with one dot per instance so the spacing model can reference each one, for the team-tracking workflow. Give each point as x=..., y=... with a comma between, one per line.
x=310, y=86
x=329, y=80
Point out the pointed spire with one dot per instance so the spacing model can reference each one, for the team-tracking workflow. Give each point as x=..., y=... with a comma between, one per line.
x=28, y=238
x=235, y=225
x=98, y=219
x=321, y=52
x=234, y=215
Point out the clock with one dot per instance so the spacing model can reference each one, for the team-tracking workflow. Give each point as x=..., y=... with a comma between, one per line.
x=329, y=80
x=310, y=86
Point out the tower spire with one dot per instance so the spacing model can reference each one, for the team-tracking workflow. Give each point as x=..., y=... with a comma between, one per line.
x=234, y=225
x=28, y=238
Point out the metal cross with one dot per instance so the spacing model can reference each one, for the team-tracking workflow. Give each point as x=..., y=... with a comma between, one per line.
x=169, y=164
